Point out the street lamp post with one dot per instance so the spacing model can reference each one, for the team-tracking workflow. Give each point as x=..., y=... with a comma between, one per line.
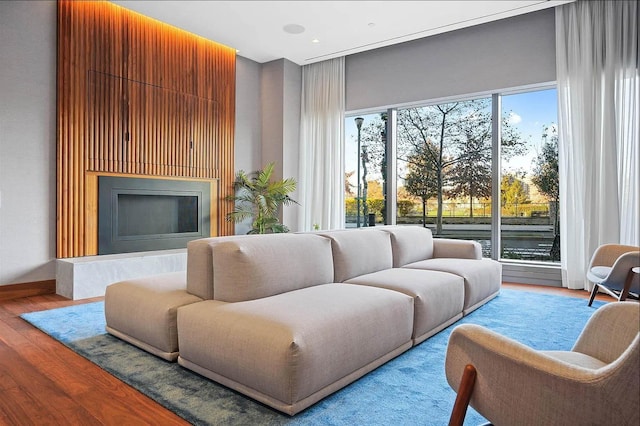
x=359, y=121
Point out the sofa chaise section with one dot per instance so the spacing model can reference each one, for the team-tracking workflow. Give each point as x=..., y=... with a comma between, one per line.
x=292, y=349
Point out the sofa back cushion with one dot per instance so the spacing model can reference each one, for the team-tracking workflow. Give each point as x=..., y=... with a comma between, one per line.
x=200, y=264
x=265, y=265
x=409, y=244
x=357, y=252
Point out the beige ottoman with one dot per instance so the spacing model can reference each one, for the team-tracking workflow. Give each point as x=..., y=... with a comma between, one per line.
x=143, y=312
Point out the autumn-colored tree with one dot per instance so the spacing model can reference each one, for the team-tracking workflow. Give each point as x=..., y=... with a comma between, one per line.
x=512, y=191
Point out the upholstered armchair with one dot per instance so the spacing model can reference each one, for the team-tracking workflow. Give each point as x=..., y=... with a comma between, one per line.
x=610, y=270
x=597, y=382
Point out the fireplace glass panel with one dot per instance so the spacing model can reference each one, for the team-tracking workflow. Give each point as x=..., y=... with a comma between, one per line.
x=156, y=214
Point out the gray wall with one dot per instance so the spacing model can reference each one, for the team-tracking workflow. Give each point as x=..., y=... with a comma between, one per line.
x=497, y=55
x=291, y=141
x=27, y=141
x=248, y=149
x=281, y=96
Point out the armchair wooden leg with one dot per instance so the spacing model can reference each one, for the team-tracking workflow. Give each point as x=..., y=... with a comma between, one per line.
x=624, y=293
x=464, y=396
x=594, y=291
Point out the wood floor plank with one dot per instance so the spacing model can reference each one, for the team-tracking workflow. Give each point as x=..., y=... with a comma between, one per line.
x=36, y=391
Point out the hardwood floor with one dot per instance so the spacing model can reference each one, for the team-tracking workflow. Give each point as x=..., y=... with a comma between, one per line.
x=43, y=382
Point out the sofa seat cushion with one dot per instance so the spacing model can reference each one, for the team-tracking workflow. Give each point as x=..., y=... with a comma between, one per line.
x=143, y=311
x=438, y=297
x=576, y=359
x=357, y=252
x=292, y=349
x=482, y=277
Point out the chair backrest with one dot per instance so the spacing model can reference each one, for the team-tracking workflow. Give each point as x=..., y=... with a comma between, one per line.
x=621, y=268
x=610, y=331
x=607, y=254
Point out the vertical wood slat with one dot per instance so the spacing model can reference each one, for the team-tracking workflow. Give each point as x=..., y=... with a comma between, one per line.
x=108, y=56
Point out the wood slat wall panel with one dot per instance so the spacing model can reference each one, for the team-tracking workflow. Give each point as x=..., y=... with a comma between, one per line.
x=138, y=97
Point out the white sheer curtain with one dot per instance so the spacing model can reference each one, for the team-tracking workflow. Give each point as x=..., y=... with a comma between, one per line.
x=598, y=95
x=322, y=152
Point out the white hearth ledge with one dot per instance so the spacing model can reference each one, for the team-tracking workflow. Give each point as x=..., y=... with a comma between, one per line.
x=89, y=276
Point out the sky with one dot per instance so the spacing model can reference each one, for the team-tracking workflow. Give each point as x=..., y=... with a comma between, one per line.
x=529, y=112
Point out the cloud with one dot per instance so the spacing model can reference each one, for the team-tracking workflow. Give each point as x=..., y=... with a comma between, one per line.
x=514, y=118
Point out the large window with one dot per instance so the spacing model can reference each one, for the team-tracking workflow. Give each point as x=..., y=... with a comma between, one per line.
x=529, y=178
x=447, y=176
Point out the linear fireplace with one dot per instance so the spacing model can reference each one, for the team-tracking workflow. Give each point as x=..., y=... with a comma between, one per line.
x=139, y=214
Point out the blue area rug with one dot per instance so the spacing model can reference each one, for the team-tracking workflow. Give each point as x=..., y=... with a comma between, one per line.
x=408, y=390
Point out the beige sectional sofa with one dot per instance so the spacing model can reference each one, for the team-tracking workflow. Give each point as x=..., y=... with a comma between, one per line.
x=287, y=319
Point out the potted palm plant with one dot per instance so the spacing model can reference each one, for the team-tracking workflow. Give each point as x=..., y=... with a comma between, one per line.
x=257, y=197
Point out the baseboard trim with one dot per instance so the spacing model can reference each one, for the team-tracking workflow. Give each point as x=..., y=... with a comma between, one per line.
x=16, y=291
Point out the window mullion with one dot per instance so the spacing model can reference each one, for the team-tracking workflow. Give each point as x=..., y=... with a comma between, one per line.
x=496, y=140
x=392, y=164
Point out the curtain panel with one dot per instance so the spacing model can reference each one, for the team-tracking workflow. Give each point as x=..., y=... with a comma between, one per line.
x=322, y=146
x=598, y=96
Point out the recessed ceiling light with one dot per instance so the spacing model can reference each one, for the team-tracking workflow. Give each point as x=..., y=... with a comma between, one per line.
x=293, y=29
x=371, y=24
x=315, y=40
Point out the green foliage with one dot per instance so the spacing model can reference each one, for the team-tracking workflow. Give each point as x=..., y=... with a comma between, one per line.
x=405, y=207
x=351, y=208
x=545, y=172
x=257, y=197
x=546, y=177
x=421, y=179
x=375, y=205
x=512, y=191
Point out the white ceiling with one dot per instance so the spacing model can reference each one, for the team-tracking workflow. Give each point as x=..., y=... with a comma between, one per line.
x=255, y=28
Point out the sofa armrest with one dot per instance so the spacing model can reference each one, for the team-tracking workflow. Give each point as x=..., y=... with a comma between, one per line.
x=460, y=249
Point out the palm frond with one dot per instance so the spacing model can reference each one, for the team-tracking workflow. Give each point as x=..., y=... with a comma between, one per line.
x=257, y=197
